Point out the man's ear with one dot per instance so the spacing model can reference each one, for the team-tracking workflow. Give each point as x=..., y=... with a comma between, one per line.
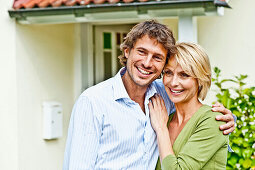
x=126, y=52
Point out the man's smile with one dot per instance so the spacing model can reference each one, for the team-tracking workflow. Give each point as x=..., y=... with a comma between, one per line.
x=143, y=71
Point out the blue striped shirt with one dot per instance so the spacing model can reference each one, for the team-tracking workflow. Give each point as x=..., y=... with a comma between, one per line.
x=108, y=130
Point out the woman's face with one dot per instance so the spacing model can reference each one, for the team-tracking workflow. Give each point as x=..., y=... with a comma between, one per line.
x=180, y=87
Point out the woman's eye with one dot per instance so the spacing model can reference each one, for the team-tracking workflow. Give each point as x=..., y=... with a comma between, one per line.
x=168, y=73
x=185, y=75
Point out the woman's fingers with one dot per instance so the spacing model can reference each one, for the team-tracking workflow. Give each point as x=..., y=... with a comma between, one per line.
x=162, y=102
x=150, y=105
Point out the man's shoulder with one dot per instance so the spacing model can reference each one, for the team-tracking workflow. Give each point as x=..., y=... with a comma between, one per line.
x=158, y=83
x=101, y=89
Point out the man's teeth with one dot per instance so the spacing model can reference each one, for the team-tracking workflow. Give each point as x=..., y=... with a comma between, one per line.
x=143, y=71
x=175, y=91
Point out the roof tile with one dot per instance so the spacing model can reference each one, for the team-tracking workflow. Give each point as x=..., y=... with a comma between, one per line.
x=19, y=3
x=56, y=3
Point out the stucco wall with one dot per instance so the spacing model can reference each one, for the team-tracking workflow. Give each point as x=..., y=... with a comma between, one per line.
x=37, y=65
x=229, y=40
x=45, y=56
x=8, y=91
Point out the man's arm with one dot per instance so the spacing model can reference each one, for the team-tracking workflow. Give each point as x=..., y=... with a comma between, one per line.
x=227, y=117
x=83, y=137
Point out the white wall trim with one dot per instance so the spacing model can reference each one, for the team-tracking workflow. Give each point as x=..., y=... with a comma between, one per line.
x=87, y=55
x=187, y=27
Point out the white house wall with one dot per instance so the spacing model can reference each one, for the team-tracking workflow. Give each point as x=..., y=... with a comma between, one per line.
x=8, y=91
x=38, y=63
x=230, y=40
x=45, y=56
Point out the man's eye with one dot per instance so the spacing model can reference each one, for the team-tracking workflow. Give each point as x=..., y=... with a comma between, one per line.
x=141, y=52
x=159, y=58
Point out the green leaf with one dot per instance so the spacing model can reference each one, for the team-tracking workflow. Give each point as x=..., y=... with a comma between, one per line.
x=227, y=80
x=242, y=77
x=233, y=160
x=229, y=168
x=240, y=99
x=237, y=113
x=246, y=144
x=225, y=97
x=238, y=141
x=237, y=150
x=247, y=153
x=217, y=70
x=229, y=103
x=242, y=83
x=241, y=161
x=247, y=163
x=253, y=162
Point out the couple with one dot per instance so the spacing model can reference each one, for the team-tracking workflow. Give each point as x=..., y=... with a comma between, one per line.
x=128, y=121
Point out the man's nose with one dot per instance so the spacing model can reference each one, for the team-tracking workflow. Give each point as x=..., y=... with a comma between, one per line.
x=147, y=62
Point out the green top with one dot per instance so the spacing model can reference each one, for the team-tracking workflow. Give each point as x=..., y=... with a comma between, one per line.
x=200, y=144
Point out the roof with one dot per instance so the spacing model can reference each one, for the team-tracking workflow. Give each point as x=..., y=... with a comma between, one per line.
x=90, y=10
x=28, y=4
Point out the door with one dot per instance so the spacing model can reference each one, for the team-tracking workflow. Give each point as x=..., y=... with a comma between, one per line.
x=107, y=49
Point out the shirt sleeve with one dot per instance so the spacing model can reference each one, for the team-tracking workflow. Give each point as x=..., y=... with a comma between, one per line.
x=200, y=147
x=162, y=91
x=83, y=137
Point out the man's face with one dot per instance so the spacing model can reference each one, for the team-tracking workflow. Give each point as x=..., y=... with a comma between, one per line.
x=145, y=61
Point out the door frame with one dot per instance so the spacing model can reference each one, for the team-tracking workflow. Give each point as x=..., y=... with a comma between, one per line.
x=99, y=48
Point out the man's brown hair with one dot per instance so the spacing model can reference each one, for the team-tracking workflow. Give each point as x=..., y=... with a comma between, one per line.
x=154, y=30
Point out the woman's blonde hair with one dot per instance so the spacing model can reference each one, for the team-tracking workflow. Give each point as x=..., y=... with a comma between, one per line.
x=195, y=62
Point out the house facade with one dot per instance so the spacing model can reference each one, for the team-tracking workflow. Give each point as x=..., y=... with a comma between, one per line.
x=46, y=57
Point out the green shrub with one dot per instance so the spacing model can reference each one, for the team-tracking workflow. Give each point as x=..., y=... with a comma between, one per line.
x=241, y=101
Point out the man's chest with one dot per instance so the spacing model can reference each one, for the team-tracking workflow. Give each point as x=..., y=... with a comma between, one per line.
x=125, y=124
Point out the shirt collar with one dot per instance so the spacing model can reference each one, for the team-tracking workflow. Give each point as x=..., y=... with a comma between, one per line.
x=120, y=91
x=151, y=91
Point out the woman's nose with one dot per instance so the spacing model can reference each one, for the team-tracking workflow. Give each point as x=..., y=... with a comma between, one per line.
x=174, y=80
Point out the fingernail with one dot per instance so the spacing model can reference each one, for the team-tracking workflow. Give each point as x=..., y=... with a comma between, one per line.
x=217, y=117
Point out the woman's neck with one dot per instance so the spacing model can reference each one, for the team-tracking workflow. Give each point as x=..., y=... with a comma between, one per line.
x=184, y=111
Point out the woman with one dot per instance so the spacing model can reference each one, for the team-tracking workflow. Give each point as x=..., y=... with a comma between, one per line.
x=189, y=138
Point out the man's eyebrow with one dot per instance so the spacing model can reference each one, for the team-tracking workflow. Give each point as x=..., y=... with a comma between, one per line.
x=141, y=48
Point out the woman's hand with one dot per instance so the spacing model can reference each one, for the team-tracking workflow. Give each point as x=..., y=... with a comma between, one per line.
x=158, y=113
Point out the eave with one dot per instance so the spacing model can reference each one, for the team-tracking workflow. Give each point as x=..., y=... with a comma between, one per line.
x=119, y=12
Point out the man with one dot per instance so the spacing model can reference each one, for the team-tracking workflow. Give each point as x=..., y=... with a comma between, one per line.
x=110, y=125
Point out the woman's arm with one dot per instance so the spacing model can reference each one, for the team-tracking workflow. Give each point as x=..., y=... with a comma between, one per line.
x=159, y=119
x=200, y=147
